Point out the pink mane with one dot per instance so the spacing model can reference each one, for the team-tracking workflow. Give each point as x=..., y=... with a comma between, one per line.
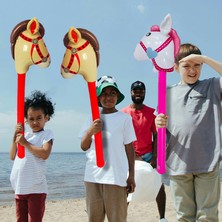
x=173, y=35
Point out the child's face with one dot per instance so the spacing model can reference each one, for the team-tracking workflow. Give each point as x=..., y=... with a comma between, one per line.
x=189, y=71
x=108, y=97
x=36, y=119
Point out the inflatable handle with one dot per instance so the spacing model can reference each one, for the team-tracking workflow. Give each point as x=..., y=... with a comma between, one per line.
x=96, y=115
x=20, y=109
x=161, y=137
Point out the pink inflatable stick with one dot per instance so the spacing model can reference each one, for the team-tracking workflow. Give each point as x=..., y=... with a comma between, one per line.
x=20, y=109
x=96, y=115
x=160, y=46
x=161, y=142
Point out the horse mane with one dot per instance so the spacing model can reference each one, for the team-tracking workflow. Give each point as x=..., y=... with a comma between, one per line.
x=90, y=37
x=19, y=28
x=174, y=36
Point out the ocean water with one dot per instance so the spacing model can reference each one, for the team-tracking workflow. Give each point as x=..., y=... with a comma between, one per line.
x=65, y=173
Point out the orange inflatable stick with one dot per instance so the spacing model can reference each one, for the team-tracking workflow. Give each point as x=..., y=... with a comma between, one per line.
x=82, y=57
x=28, y=48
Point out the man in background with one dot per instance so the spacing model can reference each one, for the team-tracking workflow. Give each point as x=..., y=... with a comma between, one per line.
x=146, y=144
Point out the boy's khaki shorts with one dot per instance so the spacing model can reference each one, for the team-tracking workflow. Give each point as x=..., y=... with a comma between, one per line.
x=196, y=196
x=105, y=199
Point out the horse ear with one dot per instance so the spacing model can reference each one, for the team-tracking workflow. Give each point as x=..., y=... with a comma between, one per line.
x=74, y=35
x=166, y=24
x=33, y=26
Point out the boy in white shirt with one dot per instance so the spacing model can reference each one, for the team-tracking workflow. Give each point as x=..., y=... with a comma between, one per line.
x=107, y=187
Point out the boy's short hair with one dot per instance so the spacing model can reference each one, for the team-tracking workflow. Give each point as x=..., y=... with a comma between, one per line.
x=185, y=50
x=104, y=82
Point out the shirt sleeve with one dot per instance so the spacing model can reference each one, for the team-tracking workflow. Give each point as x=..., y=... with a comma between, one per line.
x=85, y=127
x=129, y=132
x=48, y=136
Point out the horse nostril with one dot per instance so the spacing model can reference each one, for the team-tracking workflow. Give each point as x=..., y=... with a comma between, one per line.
x=44, y=59
x=66, y=70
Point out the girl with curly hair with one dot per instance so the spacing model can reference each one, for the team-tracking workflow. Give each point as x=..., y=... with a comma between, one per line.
x=28, y=174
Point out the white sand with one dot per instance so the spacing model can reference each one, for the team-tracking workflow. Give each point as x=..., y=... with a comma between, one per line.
x=73, y=210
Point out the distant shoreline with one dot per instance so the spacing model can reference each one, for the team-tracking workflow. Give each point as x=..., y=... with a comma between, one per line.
x=53, y=200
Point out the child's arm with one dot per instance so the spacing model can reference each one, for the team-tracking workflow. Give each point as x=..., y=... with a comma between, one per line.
x=40, y=152
x=131, y=160
x=93, y=129
x=13, y=149
x=217, y=66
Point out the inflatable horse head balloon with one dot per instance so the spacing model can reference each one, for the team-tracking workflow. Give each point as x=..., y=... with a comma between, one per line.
x=82, y=54
x=82, y=57
x=160, y=45
x=27, y=45
x=28, y=48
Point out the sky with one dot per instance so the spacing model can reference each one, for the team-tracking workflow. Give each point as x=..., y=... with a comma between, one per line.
x=118, y=25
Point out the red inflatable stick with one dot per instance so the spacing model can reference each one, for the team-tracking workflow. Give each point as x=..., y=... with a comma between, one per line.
x=96, y=115
x=28, y=48
x=20, y=108
x=160, y=45
x=82, y=57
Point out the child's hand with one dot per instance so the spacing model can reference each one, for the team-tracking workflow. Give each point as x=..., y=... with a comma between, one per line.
x=130, y=185
x=18, y=128
x=96, y=126
x=20, y=139
x=200, y=59
x=161, y=120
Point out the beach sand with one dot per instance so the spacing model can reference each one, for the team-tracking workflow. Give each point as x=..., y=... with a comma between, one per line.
x=73, y=210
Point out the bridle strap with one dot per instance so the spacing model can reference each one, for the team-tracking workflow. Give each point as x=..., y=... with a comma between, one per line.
x=29, y=39
x=161, y=69
x=74, y=54
x=164, y=45
x=143, y=46
x=35, y=44
x=160, y=48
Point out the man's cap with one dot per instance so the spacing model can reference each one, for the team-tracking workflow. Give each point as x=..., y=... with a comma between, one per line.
x=104, y=82
x=138, y=85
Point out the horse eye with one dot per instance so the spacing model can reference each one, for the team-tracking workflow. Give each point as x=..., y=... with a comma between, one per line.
x=148, y=34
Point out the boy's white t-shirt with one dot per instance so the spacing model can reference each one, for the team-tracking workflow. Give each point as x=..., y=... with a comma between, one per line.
x=28, y=174
x=117, y=132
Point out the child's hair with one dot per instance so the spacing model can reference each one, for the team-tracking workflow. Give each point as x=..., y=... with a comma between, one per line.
x=185, y=50
x=38, y=100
